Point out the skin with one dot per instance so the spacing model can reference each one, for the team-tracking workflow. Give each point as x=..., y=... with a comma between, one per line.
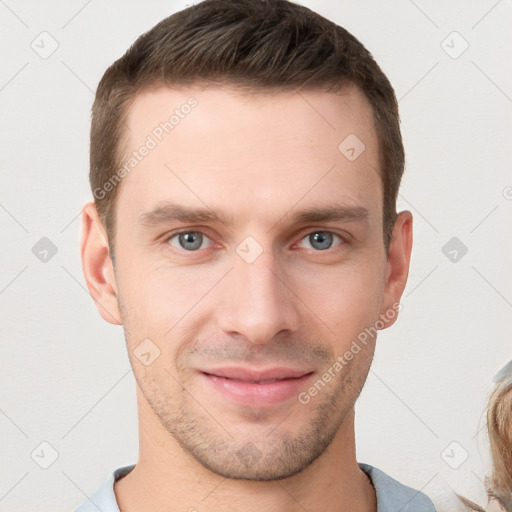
x=258, y=158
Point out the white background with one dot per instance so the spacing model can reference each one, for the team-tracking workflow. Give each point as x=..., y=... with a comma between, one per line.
x=65, y=376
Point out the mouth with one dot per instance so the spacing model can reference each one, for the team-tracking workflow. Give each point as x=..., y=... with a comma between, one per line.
x=256, y=388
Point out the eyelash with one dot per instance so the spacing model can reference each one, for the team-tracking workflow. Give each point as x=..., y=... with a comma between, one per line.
x=169, y=237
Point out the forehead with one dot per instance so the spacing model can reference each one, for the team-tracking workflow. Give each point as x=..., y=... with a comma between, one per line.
x=249, y=154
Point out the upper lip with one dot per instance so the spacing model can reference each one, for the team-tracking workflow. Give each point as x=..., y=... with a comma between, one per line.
x=255, y=375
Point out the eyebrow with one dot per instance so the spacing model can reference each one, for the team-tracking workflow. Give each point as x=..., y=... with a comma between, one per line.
x=167, y=213
x=333, y=212
x=170, y=212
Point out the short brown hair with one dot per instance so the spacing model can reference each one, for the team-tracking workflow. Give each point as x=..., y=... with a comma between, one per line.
x=254, y=44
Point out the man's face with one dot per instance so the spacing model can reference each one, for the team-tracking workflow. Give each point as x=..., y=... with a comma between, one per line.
x=264, y=293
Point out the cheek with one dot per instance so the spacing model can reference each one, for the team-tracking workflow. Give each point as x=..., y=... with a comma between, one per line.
x=157, y=300
x=346, y=299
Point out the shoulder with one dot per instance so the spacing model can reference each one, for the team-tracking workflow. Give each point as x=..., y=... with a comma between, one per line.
x=393, y=495
x=104, y=498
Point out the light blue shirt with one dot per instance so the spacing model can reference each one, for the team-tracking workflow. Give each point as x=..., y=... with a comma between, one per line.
x=392, y=496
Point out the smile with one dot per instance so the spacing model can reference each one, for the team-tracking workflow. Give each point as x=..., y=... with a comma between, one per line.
x=255, y=388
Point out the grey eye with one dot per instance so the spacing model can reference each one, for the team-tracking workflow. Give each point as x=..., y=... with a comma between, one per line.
x=189, y=241
x=321, y=240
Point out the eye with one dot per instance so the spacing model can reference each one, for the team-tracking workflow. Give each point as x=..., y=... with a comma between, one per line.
x=321, y=240
x=188, y=240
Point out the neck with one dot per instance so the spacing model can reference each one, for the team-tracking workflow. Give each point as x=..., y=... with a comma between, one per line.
x=167, y=478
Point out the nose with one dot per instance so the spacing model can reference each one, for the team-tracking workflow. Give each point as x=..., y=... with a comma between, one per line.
x=257, y=302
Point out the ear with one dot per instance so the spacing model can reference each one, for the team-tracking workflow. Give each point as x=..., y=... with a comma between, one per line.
x=97, y=265
x=399, y=258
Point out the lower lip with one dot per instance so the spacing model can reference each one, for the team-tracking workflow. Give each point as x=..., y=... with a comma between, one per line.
x=257, y=395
